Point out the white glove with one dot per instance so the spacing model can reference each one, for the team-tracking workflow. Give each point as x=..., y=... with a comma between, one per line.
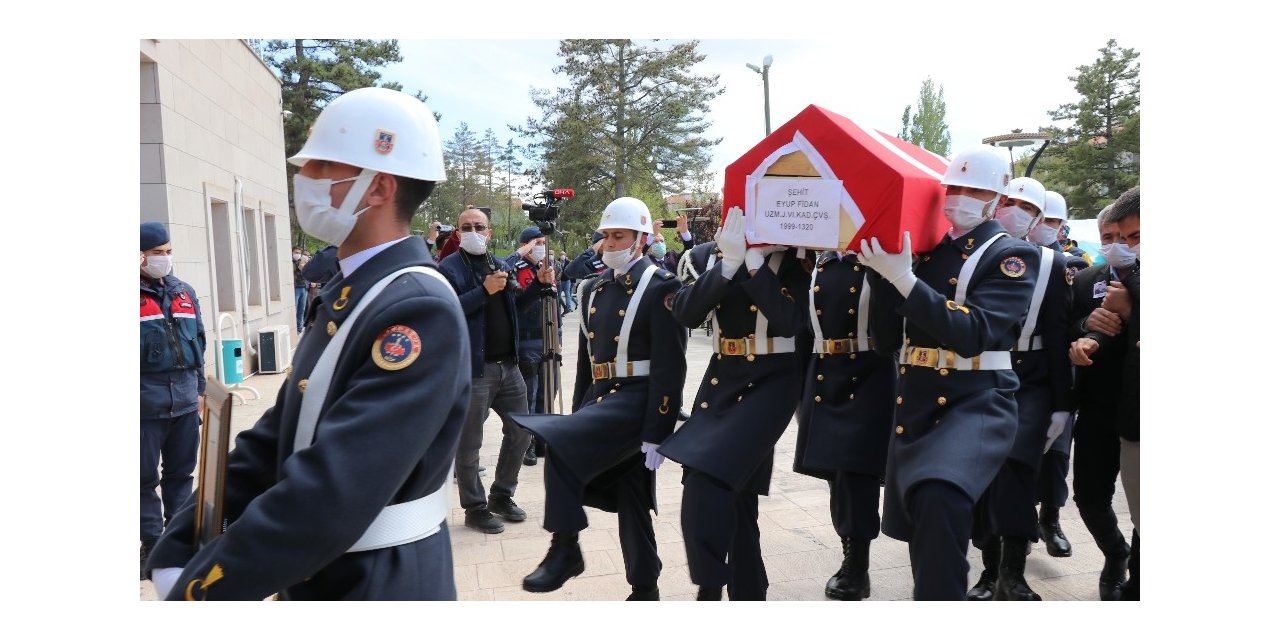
x=754, y=259
x=894, y=267
x=652, y=459
x=1057, y=424
x=164, y=580
x=732, y=242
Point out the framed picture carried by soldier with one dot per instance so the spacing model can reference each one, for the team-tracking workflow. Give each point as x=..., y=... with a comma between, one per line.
x=215, y=441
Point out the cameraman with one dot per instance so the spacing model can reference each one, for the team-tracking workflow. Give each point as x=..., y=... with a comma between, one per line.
x=491, y=299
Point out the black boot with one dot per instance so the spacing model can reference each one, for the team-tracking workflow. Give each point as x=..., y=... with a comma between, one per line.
x=710, y=593
x=563, y=561
x=1130, y=589
x=985, y=589
x=1111, y=579
x=1055, y=542
x=531, y=455
x=649, y=592
x=1012, y=584
x=852, y=581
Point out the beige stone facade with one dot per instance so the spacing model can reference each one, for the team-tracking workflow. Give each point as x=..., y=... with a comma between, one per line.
x=213, y=170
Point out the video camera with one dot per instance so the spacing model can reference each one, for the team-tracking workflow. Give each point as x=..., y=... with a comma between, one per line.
x=544, y=208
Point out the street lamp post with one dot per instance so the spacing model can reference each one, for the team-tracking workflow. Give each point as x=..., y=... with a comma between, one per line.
x=1019, y=139
x=764, y=72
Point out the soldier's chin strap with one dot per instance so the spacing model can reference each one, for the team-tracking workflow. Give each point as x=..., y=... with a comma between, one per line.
x=398, y=523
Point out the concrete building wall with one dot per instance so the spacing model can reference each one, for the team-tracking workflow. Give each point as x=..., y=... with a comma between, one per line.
x=211, y=122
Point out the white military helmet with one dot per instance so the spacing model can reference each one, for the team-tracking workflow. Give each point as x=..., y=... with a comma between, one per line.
x=1027, y=190
x=377, y=129
x=980, y=167
x=1055, y=205
x=626, y=213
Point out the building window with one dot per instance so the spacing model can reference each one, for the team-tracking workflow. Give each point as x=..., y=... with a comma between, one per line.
x=273, y=256
x=253, y=256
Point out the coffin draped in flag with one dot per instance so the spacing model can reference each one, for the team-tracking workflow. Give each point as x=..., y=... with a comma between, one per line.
x=867, y=184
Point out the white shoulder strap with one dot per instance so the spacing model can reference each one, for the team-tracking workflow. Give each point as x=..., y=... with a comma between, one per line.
x=813, y=307
x=624, y=335
x=1037, y=299
x=966, y=272
x=322, y=373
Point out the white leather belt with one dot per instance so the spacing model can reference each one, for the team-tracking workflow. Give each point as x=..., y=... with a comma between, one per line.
x=842, y=345
x=752, y=347
x=406, y=522
x=946, y=359
x=607, y=370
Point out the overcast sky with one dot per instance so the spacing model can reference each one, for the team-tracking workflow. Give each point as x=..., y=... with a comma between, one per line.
x=991, y=86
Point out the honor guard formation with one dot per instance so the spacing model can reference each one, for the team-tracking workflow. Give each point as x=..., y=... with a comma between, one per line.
x=946, y=382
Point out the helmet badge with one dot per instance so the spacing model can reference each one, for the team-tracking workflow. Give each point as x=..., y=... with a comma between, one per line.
x=384, y=141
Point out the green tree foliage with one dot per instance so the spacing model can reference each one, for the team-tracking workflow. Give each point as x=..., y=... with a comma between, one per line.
x=928, y=127
x=1098, y=158
x=629, y=123
x=314, y=72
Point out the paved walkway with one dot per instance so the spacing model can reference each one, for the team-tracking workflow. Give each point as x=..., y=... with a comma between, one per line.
x=800, y=548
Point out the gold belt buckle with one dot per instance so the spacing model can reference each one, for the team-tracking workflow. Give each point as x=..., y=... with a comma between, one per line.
x=923, y=357
x=600, y=371
x=733, y=346
x=837, y=346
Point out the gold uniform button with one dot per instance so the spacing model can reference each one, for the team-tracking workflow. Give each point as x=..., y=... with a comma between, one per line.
x=615, y=338
x=751, y=357
x=715, y=381
x=953, y=281
x=591, y=334
x=858, y=267
x=943, y=372
x=703, y=405
x=926, y=258
x=816, y=288
x=302, y=385
x=819, y=377
x=851, y=396
x=630, y=291
x=851, y=311
x=899, y=400
x=613, y=391
x=739, y=398
x=852, y=356
x=599, y=398
x=942, y=402
x=753, y=307
x=750, y=384
x=817, y=398
x=751, y=336
x=593, y=311
x=850, y=334
x=818, y=312
x=902, y=369
x=853, y=289
x=819, y=269
x=907, y=340
x=718, y=306
x=331, y=328
x=1019, y=361
x=899, y=430
x=622, y=312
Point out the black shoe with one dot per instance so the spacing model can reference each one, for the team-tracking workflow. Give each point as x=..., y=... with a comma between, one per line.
x=530, y=456
x=852, y=581
x=1111, y=579
x=483, y=521
x=709, y=593
x=1054, y=541
x=644, y=593
x=985, y=589
x=144, y=553
x=1011, y=584
x=505, y=508
x=563, y=561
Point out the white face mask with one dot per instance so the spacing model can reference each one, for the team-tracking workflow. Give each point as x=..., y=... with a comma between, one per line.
x=473, y=243
x=1015, y=220
x=1137, y=251
x=1043, y=235
x=1118, y=254
x=617, y=260
x=314, y=204
x=157, y=266
x=965, y=212
x=538, y=253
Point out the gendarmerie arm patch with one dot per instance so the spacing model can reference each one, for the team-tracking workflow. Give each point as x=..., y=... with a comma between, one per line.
x=396, y=348
x=1013, y=267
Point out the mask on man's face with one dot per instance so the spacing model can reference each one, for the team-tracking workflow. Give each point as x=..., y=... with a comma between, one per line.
x=538, y=253
x=473, y=243
x=1043, y=235
x=1118, y=254
x=297, y=257
x=658, y=250
x=965, y=212
x=157, y=266
x=1015, y=220
x=312, y=198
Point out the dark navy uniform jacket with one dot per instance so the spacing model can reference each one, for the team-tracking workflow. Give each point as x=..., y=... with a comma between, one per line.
x=387, y=434
x=612, y=417
x=1044, y=375
x=743, y=405
x=172, y=348
x=950, y=425
x=846, y=411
